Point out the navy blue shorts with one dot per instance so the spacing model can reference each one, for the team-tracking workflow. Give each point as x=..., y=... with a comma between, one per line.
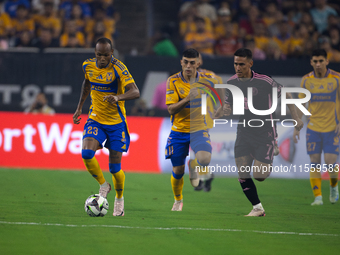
x=317, y=142
x=117, y=136
x=178, y=143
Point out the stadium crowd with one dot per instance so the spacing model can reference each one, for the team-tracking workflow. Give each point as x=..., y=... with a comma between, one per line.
x=56, y=23
x=272, y=29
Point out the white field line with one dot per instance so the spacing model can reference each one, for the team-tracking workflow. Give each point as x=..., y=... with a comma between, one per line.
x=161, y=228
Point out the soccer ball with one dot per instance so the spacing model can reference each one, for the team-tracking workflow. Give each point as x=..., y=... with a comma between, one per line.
x=96, y=205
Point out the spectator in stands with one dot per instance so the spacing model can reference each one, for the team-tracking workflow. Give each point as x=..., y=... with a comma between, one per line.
x=187, y=23
x=22, y=22
x=283, y=39
x=332, y=54
x=161, y=45
x=224, y=17
x=37, y=6
x=77, y=15
x=201, y=40
x=269, y=16
x=205, y=9
x=307, y=20
x=320, y=14
x=24, y=39
x=45, y=40
x=333, y=21
x=71, y=37
x=65, y=9
x=227, y=45
x=98, y=31
x=5, y=29
x=100, y=16
x=11, y=6
x=241, y=9
x=40, y=105
x=299, y=8
x=334, y=35
x=273, y=29
x=261, y=37
x=297, y=41
x=252, y=19
x=258, y=54
x=108, y=6
x=48, y=20
x=273, y=51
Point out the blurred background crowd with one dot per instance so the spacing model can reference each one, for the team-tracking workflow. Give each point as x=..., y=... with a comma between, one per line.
x=272, y=29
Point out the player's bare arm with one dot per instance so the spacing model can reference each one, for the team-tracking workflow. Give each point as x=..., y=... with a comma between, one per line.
x=85, y=91
x=226, y=109
x=177, y=107
x=295, y=116
x=132, y=93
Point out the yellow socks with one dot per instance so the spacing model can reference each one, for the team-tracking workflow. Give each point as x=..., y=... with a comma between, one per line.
x=177, y=182
x=334, y=175
x=315, y=181
x=118, y=182
x=94, y=169
x=203, y=171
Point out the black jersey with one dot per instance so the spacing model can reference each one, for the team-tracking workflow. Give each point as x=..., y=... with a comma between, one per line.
x=262, y=100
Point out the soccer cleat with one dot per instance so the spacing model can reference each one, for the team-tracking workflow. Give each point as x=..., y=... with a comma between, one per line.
x=207, y=184
x=193, y=176
x=256, y=212
x=103, y=191
x=276, y=149
x=178, y=205
x=317, y=201
x=200, y=186
x=118, y=209
x=334, y=194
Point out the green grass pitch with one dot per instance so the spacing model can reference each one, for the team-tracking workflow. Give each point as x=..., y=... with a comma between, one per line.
x=42, y=212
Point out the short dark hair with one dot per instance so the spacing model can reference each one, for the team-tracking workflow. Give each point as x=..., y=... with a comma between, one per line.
x=191, y=53
x=319, y=52
x=243, y=52
x=104, y=40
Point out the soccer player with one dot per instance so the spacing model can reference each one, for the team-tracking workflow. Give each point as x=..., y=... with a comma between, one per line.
x=110, y=84
x=206, y=177
x=254, y=146
x=189, y=126
x=323, y=128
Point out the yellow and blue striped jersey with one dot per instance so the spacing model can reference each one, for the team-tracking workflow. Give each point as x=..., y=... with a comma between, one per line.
x=105, y=81
x=190, y=118
x=324, y=102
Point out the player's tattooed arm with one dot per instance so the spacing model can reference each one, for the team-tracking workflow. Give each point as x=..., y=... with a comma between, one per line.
x=85, y=91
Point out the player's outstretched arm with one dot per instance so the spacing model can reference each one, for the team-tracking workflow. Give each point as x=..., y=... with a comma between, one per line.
x=132, y=93
x=295, y=114
x=177, y=107
x=85, y=91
